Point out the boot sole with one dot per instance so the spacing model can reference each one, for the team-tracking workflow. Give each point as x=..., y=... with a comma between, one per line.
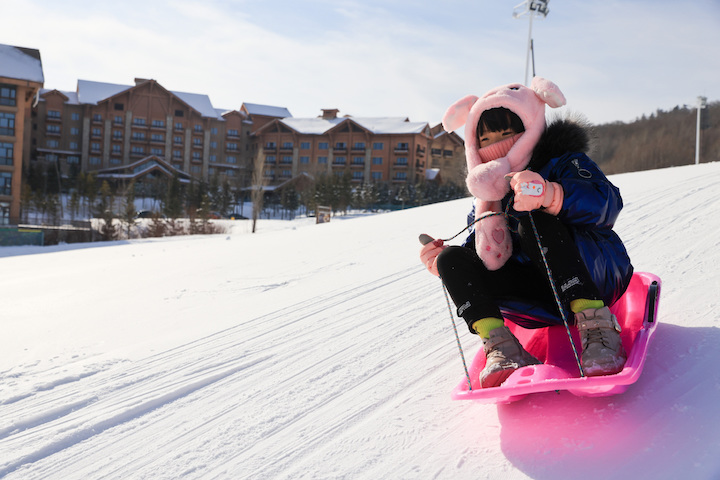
x=497, y=378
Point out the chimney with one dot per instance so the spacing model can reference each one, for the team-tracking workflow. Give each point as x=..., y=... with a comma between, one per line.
x=329, y=113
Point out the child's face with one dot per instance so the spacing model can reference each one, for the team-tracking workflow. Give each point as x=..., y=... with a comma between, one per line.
x=488, y=138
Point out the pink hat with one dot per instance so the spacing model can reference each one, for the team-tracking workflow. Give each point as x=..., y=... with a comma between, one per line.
x=486, y=180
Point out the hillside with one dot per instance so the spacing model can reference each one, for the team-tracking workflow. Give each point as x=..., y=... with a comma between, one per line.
x=326, y=351
x=664, y=139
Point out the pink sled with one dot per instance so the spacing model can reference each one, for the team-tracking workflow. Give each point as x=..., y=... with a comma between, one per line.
x=636, y=312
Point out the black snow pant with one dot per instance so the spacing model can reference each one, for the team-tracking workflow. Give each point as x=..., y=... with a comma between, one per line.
x=475, y=290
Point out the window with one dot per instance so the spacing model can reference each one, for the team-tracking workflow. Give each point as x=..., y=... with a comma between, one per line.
x=402, y=146
x=97, y=117
x=73, y=160
x=179, y=126
x=74, y=131
x=118, y=120
x=197, y=142
x=53, y=143
x=339, y=160
x=138, y=136
x=233, y=147
x=7, y=124
x=115, y=161
x=156, y=137
x=96, y=132
x=120, y=107
x=75, y=116
x=5, y=183
x=287, y=145
x=116, y=149
x=213, y=131
x=232, y=160
x=270, y=159
x=4, y=213
x=378, y=146
x=177, y=140
x=359, y=146
x=157, y=151
x=7, y=96
x=6, y=153
x=53, y=114
x=376, y=176
x=177, y=154
x=178, y=113
x=213, y=144
x=117, y=135
x=357, y=175
x=305, y=160
x=323, y=145
x=213, y=158
x=139, y=122
x=358, y=161
x=53, y=129
x=305, y=145
x=400, y=176
x=377, y=160
x=401, y=161
x=322, y=159
x=95, y=161
x=340, y=146
x=158, y=123
x=233, y=133
x=198, y=128
x=74, y=146
x=138, y=150
x=286, y=159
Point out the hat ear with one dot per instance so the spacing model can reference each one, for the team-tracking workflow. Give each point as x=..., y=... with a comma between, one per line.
x=457, y=113
x=548, y=92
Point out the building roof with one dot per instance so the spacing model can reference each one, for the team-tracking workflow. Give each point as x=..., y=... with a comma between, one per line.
x=21, y=63
x=376, y=125
x=266, y=110
x=89, y=92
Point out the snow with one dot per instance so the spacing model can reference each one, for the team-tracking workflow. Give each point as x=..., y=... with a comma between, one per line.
x=20, y=65
x=326, y=351
x=376, y=125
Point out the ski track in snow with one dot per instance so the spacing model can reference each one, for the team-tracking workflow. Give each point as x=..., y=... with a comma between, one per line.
x=341, y=367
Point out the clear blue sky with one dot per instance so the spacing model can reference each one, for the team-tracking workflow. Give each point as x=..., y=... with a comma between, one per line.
x=614, y=60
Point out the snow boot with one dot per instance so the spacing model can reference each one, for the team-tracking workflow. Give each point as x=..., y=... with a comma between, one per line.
x=602, y=348
x=504, y=355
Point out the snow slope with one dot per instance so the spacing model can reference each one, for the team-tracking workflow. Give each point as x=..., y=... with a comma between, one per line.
x=326, y=352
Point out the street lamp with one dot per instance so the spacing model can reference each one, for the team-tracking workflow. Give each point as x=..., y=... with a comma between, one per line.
x=702, y=103
x=533, y=8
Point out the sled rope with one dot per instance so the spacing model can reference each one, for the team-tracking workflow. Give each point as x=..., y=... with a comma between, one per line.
x=556, y=295
x=457, y=338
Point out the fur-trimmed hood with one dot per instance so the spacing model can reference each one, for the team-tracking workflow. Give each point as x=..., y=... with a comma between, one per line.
x=571, y=134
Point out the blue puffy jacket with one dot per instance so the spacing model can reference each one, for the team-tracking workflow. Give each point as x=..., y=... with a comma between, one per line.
x=591, y=205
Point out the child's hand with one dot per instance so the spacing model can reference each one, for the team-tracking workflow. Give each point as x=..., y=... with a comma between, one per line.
x=429, y=254
x=533, y=192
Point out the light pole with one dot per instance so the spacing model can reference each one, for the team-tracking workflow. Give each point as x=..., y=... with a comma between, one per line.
x=533, y=8
x=702, y=103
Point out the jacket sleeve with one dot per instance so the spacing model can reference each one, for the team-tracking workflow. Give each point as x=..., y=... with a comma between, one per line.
x=590, y=199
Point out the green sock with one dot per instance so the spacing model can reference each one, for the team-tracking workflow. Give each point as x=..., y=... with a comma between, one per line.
x=581, y=304
x=485, y=325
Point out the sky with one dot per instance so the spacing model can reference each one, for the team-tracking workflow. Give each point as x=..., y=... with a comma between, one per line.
x=614, y=60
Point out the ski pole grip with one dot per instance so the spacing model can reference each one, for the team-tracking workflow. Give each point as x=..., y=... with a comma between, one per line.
x=425, y=238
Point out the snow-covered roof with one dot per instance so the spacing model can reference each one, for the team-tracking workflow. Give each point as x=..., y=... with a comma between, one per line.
x=72, y=96
x=21, y=63
x=89, y=92
x=267, y=110
x=378, y=125
x=199, y=102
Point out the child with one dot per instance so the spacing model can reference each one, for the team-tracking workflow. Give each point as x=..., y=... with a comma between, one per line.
x=530, y=179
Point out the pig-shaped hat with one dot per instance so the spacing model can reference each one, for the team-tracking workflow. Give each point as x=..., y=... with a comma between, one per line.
x=485, y=180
